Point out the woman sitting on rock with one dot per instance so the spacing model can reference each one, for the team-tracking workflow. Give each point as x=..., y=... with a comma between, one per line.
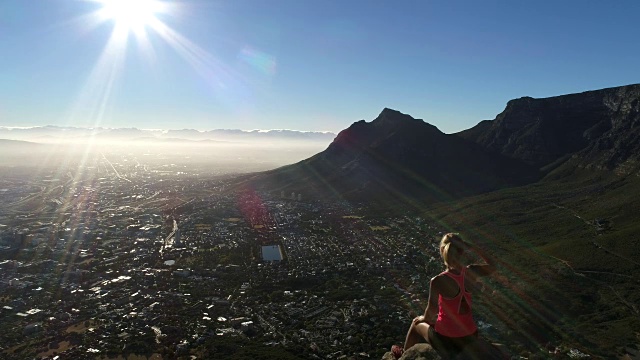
x=447, y=323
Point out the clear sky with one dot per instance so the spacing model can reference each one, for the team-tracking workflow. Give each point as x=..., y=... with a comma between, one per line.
x=302, y=64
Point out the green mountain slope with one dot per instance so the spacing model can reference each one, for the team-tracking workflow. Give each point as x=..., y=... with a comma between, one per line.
x=570, y=258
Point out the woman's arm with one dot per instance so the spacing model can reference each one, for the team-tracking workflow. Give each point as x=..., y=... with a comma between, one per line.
x=482, y=269
x=431, y=312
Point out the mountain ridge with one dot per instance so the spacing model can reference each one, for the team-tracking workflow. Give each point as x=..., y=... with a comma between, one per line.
x=367, y=157
x=397, y=156
x=541, y=131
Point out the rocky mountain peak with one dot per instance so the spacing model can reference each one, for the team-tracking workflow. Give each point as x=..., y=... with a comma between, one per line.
x=389, y=126
x=392, y=118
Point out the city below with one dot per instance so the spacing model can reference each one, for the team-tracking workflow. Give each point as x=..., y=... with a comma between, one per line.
x=118, y=257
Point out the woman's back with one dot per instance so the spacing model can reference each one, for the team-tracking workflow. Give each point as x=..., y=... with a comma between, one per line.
x=455, y=318
x=447, y=323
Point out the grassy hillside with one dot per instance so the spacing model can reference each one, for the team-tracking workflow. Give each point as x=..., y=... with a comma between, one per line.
x=569, y=255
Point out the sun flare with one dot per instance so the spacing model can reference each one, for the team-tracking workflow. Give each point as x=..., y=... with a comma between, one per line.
x=142, y=20
x=131, y=14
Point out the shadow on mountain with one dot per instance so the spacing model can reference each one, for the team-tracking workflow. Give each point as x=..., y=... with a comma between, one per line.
x=396, y=158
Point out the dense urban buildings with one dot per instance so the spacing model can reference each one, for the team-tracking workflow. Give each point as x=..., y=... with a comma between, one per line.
x=127, y=258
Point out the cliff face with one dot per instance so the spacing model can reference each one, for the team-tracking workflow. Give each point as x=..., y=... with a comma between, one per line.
x=417, y=352
x=618, y=146
x=596, y=128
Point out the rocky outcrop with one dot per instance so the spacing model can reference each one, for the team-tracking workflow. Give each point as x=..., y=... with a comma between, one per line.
x=599, y=128
x=481, y=350
x=417, y=352
x=617, y=147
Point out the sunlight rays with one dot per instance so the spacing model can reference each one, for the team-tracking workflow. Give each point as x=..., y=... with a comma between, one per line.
x=137, y=18
x=227, y=84
x=508, y=295
x=95, y=95
x=140, y=19
x=200, y=60
x=137, y=22
x=508, y=291
x=143, y=24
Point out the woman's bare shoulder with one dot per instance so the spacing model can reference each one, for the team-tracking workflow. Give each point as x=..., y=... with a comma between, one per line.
x=438, y=277
x=439, y=280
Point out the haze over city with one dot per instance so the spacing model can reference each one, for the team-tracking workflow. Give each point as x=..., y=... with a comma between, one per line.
x=313, y=66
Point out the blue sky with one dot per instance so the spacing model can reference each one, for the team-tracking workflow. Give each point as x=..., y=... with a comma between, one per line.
x=306, y=65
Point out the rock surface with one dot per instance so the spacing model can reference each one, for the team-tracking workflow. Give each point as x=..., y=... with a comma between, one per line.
x=420, y=351
x=482, y=350
x=597, y=129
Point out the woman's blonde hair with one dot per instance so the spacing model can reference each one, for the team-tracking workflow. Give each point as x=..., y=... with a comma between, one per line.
x=451, y=249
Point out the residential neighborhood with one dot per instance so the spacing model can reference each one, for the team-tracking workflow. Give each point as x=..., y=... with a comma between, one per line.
x=94, y=266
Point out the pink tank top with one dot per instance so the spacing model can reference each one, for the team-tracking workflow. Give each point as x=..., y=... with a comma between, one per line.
x=455, y=318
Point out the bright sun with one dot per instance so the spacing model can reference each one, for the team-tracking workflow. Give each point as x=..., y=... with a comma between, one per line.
x=131, y=14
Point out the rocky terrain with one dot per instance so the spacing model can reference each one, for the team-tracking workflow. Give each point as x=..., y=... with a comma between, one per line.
x=594, y=129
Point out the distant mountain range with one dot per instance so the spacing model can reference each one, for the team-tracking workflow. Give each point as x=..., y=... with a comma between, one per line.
x=396, y=157
x=58, y=133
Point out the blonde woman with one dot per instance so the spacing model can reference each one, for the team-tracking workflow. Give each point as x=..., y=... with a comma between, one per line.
x=447, y=323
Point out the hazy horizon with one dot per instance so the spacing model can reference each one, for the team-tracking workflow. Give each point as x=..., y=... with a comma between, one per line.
x=213, y=152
